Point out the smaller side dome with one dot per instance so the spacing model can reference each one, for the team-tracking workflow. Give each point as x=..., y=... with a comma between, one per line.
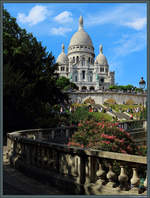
x=101, y=59
x=62, y=58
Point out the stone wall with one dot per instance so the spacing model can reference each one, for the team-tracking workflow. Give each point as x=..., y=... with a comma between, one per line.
x=101, y=96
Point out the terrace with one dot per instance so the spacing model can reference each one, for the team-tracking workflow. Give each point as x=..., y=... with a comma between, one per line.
x=43, y=153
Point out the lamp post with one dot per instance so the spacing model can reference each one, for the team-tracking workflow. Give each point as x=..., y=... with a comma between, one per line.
x=142, y=84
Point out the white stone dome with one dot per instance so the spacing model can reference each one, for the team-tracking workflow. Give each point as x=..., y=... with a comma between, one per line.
x=62, y=58
x=81, y=37
x=101, y=59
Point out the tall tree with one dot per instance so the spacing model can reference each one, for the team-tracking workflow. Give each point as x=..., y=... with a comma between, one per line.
x=30, y=88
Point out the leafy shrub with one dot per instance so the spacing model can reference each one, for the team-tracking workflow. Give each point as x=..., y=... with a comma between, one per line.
x=103, y=136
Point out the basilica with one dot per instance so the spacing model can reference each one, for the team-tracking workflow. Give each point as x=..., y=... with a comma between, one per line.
x=81, y=66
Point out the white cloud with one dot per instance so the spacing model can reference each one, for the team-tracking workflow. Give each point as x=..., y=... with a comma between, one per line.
x=138, y=24
x=64, y=17
x=121, y=16
x=130, y=43
x=61, y=31
x=37, y=14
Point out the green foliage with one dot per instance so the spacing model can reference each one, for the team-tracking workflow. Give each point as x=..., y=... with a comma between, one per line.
x=30, y=88
x=62, y=82
x=82, y=113
x=65, y=84
x=103, y=136
x=122, y=87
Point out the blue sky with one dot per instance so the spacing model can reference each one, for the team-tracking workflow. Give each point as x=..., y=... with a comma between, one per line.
x=119, y=27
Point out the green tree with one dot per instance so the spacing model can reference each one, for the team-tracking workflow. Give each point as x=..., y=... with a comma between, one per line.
x=30, y=89
x=65, y=84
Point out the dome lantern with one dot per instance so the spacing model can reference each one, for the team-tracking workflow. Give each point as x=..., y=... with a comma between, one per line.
x=80, y=23
x=101, y=49
x=63, y=48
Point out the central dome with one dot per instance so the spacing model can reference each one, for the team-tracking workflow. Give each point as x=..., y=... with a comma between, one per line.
x=81, y=37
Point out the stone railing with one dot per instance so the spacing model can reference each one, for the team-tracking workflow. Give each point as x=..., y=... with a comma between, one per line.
x=133, y=124
x=56, y=135
x=76, y=170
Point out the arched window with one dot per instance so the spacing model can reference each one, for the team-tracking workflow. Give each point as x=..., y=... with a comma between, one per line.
x=89, y=60
x=76, y=78
x=83, y=61
x=73, y=59
x=77, y=59
x=90, y=76
x=83, y=74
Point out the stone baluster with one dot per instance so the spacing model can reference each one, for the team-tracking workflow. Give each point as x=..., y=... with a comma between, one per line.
x=111, y=176
x=101, y=175
x=123, y=179
x=145, y=183
x=73, y=170
x=39, y=156
x=28, y=155
x=53, y=134
x=135, y=180
x=87, y=171
x=33, y=154
x=43, y=157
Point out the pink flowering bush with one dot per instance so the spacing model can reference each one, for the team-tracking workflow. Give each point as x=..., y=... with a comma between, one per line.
x=103, y=136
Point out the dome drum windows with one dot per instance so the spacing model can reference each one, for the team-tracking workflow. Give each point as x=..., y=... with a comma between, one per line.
x=101, y=69
x=62, y=68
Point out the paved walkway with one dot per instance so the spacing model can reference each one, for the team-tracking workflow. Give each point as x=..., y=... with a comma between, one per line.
x=16, y=183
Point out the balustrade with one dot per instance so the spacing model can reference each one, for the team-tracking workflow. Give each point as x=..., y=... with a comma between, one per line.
x=90, y=168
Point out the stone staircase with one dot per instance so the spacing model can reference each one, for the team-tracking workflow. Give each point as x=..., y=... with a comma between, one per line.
x=120, y=116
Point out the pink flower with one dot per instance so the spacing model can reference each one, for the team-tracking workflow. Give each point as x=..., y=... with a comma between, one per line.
x=122, y=130
x=110, y=137
x=128, y=134
x=123, y=151
x=106, y=142
x=121, y=141
x=129, y=148
x=79, y=124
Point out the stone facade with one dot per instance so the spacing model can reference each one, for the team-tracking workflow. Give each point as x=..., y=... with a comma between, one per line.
x=80, y=64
